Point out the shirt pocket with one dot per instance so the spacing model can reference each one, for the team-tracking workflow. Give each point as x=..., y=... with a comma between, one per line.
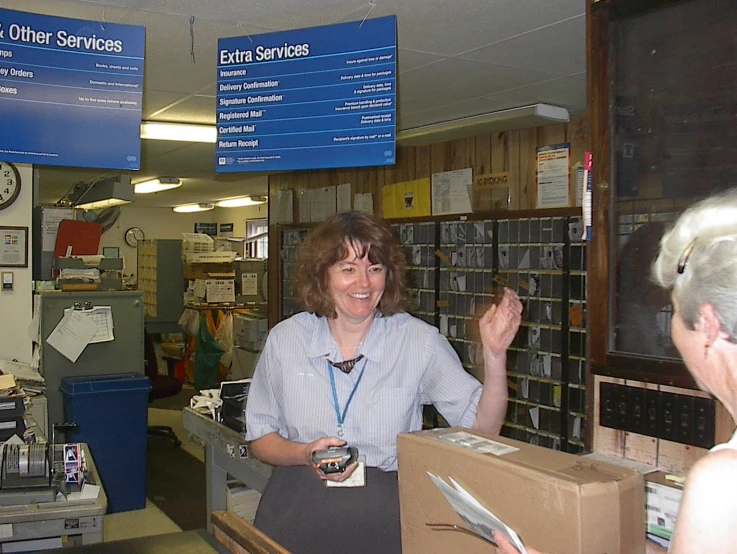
x=391, y=413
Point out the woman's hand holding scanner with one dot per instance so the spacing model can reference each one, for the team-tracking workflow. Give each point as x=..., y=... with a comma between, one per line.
x=335, y=459
x=323, y=445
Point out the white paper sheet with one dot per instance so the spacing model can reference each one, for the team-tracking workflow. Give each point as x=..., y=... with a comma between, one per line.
x=451, y=192
x=343, y=197
x=317, y=205
x=552, y=175
x=34, y=329
x=364, y=202
x=285, y=206
x=72, y=335
x=249, y=284
x=102, y=317
x=305, y=206
x=330, y=201
x=50, y=219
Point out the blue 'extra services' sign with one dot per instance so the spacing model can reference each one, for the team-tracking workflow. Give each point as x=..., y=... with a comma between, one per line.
x=322, y=97
x=70, y=91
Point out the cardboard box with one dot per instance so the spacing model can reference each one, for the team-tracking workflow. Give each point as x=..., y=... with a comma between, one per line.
x=207, y=270
x=663, y=499
x=557, y=502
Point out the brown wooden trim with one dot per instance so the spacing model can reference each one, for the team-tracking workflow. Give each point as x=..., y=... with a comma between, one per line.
x=601, y=359
x=597, y=75
x=617, y=9
x=598, y=254
x=647, y=370
x=473, y=216
x=228, y=527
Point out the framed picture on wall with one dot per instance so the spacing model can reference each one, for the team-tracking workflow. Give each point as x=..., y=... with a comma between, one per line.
x=13, y=246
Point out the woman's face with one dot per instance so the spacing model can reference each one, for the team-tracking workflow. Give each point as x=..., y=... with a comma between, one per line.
x=356, y=286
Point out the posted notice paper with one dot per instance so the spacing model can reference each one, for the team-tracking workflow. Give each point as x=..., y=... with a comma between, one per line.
x=72, y=335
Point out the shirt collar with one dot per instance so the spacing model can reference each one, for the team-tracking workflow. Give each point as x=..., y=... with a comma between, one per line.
x=323, y=345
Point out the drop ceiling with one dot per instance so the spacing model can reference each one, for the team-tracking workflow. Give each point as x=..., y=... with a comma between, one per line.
x=456, y=59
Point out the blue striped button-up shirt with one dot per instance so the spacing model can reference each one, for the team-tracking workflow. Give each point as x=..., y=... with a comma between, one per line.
x=407, y=363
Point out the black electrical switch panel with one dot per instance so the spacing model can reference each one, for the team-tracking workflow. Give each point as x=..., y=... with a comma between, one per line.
x=685, y=419
x=608, y=394
x=668, y=417
x=636, y=410
x=652, y=413
x=704, y=415
x=665, y=415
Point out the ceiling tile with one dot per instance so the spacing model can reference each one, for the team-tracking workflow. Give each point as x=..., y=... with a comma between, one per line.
x=453, y=80
x=558, y=48
x=450, y=28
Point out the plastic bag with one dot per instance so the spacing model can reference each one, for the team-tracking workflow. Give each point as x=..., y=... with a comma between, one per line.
x=224, y=336
x=206, y=359
x=189, y=321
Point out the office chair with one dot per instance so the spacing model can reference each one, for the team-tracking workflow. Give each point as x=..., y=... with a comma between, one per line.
x=162, y=386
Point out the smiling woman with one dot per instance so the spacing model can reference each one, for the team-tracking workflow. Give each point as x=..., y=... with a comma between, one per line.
x=354, y=370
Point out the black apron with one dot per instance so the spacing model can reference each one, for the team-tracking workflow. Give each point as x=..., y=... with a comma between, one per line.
x=304, y=516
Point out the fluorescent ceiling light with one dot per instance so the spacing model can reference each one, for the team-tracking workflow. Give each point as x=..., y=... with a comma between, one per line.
x=189, y=208
x=242, y=201
x=178, y=131
x=157, y=185
x=106, y=193
x=522, y=117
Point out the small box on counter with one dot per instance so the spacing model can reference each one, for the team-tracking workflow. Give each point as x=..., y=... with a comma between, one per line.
x=556, y=502
x=663, y=498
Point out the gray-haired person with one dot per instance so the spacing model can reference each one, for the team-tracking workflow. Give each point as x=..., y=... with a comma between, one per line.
x=697, y=263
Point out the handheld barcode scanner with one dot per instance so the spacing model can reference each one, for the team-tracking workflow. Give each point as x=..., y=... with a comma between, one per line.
x=335, y=459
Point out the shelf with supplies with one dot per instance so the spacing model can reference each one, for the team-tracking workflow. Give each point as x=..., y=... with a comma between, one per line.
x=456, y=268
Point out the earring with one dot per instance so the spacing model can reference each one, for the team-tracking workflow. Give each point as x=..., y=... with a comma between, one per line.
x=706, y=350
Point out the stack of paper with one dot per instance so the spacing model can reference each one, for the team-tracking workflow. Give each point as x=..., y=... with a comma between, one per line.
x=242, y=500
x=88, y=275
x=9, y=388
x=30, y=379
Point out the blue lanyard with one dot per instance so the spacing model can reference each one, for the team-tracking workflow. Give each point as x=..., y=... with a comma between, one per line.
x=341, y=416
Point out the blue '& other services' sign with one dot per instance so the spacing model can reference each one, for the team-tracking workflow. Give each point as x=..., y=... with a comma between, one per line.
x=70, y=91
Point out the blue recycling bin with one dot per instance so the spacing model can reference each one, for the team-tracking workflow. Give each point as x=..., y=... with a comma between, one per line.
x=111, y=412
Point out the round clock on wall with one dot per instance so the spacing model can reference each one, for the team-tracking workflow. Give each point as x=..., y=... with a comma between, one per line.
x=133, y=236
x=9, y=184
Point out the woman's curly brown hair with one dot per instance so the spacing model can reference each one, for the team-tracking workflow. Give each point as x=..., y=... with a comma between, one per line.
x=326, y=245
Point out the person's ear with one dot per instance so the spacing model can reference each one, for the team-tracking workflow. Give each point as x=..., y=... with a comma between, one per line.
x=709, y=324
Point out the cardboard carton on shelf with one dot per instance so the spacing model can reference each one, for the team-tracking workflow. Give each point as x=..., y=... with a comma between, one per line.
x=208, y=270
x=556, y=502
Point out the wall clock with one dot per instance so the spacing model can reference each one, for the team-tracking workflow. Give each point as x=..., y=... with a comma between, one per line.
x=9, y=184
x=133, y=236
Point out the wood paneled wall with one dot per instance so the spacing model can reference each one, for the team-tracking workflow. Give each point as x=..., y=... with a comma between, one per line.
x=511, y=151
